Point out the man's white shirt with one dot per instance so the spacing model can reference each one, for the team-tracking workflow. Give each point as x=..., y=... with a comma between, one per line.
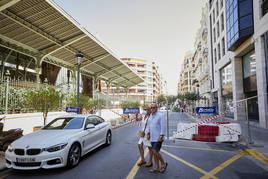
x=156, y=125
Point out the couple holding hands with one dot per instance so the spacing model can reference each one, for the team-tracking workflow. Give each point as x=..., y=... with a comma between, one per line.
x=152, y=134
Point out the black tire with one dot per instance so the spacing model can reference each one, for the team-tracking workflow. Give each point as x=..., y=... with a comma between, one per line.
x=74, y=156
x=108, y=138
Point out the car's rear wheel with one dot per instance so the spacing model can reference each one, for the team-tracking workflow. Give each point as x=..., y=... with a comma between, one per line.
x=108, y=138
x=74, y=156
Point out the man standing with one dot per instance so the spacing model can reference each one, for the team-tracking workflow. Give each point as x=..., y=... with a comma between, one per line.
x=156, y=135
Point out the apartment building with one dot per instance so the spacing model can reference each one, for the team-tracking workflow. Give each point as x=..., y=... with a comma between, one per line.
x=201, y=63
x=260, y=39
x=145, y=92
x=220, y=58
x=194, y=75
x=238, y=32
x=187, y=74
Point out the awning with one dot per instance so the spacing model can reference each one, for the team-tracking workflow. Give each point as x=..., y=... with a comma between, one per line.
x=41, y=29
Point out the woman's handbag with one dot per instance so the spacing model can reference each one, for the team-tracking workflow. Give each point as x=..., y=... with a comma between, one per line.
x=142, y=133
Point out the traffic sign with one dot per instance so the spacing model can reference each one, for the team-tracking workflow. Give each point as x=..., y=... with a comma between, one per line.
x=131, y=110
x=206, y=110
x=72, y=109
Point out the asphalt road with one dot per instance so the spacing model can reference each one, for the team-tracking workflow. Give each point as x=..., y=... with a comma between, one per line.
x=186, y=159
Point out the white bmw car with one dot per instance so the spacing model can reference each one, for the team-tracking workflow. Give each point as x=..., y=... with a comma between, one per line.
x=60, y=143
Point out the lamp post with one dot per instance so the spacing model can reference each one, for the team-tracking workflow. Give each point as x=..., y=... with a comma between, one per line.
x=7, y=75
x=79, y=56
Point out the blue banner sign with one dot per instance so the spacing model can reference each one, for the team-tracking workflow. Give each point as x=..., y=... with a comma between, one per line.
x=206, y=110
x=72, y=109
x=131, y=110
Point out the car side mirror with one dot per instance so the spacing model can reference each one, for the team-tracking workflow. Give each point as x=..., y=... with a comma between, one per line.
x=90, y=126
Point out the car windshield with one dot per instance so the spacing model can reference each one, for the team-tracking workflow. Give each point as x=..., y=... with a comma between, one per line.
x=65, y=123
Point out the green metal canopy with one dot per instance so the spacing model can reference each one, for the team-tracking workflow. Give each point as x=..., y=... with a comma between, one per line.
x=41, y=29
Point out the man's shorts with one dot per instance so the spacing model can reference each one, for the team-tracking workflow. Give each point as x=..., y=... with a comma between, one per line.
x=156, y=146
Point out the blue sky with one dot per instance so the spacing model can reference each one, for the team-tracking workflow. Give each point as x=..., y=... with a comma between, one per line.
x=159, y=30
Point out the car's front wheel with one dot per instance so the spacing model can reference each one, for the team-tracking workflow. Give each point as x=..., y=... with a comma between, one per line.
x=108, y=138
x=74, y=156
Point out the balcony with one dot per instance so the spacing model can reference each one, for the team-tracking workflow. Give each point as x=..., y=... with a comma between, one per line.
x=205, y=53
x=199, y=46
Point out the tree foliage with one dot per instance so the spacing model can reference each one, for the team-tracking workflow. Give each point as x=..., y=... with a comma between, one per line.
x=161, y=98
x=85, y=101
x=171, y=99
x=127, y=104
x=192, y=96
x=43, y=100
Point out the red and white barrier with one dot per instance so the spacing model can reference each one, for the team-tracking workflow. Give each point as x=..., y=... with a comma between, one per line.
x=187, y=134
x=229, y=133
x=210, y=132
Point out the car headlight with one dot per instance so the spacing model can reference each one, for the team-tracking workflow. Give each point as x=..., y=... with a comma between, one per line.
x=55, y=148
x=10, y=148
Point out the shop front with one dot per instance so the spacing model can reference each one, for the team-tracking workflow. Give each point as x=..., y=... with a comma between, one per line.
x=250, y=84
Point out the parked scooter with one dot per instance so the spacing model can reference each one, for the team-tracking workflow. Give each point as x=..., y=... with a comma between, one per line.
x=7, y=137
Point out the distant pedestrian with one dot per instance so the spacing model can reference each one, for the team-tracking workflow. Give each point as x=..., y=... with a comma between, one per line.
x=143, y=141
x=156, y=135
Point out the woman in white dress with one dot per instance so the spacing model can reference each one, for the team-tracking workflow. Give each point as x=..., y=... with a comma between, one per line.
x=143, y=141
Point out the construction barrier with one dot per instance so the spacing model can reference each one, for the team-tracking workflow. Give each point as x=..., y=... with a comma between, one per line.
x=210, y=132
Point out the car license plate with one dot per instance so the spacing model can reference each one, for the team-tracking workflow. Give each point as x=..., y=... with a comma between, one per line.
x=25, y=160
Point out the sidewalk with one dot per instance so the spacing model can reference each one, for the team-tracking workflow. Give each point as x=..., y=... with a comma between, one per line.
x=259, y=135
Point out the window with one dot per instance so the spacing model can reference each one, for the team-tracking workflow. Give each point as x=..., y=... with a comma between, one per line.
x=93, y=120
x=215, y=55
x=219, y=51
x=214, y=34
x=249, y=65
x=213, y=13
x=218, y=29
x=239, y=21
x=223, y=46
x=65, y=123
x=265, y=39
x=264, y=7
x=226, y=80
x=249, y=72
x=99, y=119
x=217, y=8
x=222, y=22
x=221, y=3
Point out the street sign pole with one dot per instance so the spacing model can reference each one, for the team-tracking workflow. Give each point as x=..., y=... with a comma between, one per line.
x=79, y=56
x=167, y=125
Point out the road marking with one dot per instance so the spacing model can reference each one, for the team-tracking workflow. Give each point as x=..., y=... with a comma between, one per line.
x=135, y=168
x=224, y=165
x=189, y=164
x=257, y=155
x=196, y=148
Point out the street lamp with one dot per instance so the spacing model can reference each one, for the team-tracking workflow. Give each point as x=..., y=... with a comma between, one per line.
x=7, y=75
x=79, y=56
